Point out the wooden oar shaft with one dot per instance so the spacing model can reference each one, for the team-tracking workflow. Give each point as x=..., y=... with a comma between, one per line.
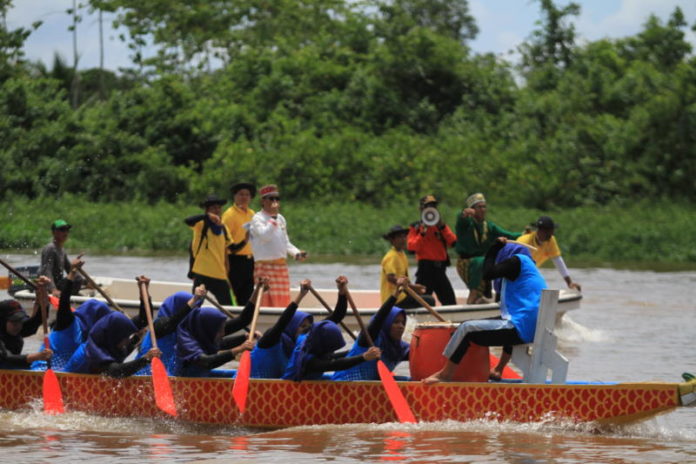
x=99, y=289
x=18, y=274
x=148, y=313
x=360, y=321
x=219, y=307
x=255, y=319
x=421, y=301
x=328, y=308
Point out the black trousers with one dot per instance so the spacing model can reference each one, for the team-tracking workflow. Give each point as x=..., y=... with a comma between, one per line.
x=241, y=277
x=503, y=337
x=433, y=275
x=218, y=287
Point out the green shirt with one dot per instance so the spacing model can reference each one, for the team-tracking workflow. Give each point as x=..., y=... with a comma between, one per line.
x=475, y=238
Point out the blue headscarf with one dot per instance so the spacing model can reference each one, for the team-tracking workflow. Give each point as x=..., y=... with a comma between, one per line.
x=196, y=334
x=173, y=303
x=506, y=252
x=88, y=313
x=102, y=342
x=323, y=338
x=289, y=335
x=392, y=349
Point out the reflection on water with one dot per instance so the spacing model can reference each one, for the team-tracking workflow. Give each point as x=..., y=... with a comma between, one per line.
x=632, y=326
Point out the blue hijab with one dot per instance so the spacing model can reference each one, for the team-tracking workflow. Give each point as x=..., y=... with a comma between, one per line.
x=323, y=338
x=289, y=335
x=392, y=349
x=102, y=342
x=88, y=313
x=196, y=334
x=508, y=251
x=170, y=306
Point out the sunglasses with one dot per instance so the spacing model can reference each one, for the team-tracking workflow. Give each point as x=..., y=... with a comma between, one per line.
x=273, y=198
x=63, y=229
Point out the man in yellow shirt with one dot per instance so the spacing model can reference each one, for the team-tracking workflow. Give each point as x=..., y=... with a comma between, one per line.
x=547, y=248
x=241, y=262
x=394, y=266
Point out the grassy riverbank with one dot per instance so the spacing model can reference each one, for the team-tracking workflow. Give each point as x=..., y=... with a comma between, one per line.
x=657, y=236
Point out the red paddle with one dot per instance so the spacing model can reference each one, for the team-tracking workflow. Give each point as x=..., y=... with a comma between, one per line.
x=394, y=393
x=164, y=398
x=52, y=396
x=241, y=381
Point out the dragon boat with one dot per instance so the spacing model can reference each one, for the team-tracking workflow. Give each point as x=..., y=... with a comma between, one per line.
x=283, y=403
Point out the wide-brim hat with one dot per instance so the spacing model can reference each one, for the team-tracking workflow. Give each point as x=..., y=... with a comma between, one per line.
x=394, y=231
x=60, y=224
x=244, y=185
x=212, y=200
x=428, y=200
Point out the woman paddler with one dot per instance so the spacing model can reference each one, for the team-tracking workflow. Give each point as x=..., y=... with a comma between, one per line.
x=386, y=329
x=15, y=325
x=171, y=312
x=70, y=329
x=314, y=355
x=271, y=354
x=205, y=339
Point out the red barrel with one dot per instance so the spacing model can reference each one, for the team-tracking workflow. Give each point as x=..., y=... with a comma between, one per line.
x=427, y=344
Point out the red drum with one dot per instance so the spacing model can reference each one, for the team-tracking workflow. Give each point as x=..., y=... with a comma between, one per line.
x=427, y=344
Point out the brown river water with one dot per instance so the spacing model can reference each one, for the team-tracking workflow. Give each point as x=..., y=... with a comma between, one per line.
x=632, y=326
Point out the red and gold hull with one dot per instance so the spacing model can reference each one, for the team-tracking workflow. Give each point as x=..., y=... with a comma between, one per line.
x=278, y=403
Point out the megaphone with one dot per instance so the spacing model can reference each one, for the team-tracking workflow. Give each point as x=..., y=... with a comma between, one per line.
x=430, y=216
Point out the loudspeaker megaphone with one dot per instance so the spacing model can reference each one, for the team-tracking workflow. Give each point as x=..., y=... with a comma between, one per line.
x=430, y=216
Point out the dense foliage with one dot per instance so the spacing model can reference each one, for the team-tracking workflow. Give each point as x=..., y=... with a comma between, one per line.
x=370, y=101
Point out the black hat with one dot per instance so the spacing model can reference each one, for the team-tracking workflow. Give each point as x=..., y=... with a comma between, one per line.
x=244, y=185
x=544, y=222
x=11, y=310
x=212, y=200
x=395, y=230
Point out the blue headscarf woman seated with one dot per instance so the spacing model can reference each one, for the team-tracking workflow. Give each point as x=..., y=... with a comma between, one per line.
x=200, y=346
x=70, y=329
x=520, y=289
x=15, y=325
x=386, y=329
x=314, y=351
x=270, y=357
x=108, y=344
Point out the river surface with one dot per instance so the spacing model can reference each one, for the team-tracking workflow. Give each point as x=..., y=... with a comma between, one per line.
x=632, y=326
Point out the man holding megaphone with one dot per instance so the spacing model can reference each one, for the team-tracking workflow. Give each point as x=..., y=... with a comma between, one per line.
x=429, y=239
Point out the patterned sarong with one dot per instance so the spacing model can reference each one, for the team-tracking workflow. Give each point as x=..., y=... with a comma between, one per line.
x=277, y=272
x=471, y=271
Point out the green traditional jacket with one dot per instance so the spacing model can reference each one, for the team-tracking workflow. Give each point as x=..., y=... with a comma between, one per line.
x=475, y=238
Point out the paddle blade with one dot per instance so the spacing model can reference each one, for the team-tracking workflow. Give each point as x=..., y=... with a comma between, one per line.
x=241, y=382
x=395, y=395
x=52, y=396
x=164, y=398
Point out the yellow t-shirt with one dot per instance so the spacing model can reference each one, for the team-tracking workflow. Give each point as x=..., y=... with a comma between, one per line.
x=211, y=259
x=545, y=250
x=234, y=218
x=394, y=262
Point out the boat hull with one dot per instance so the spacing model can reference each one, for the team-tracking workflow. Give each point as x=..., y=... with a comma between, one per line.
x=279, y=403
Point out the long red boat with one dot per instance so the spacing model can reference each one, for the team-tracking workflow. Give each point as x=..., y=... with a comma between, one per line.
x=280, y=403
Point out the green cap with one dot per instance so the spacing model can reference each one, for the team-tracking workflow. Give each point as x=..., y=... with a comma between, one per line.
x=60, y=224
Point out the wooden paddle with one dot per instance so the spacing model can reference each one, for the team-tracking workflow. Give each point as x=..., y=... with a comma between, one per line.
x=394, y=393
x=241, y=381
x=328, y=308
x=164, y=397
x=219, y=307
x=52, y=396
x=18, y=274
x=101, y=291
x=421, y=301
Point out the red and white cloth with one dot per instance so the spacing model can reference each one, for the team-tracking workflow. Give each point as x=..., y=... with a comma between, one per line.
x=279, y=280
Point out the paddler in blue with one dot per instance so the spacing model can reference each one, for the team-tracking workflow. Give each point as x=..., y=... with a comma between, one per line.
x=271, y=354
x=171, y=312
x=386, y=328
x=70, y=329
x=201, y=344
x=314, y=352
x=15, y=325
x=521, y=286
x=108, y=344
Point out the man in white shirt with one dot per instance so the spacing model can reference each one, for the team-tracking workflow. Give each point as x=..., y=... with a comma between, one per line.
x=271, y=245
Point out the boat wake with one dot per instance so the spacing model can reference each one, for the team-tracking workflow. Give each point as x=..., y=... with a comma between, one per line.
x=569, y=331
